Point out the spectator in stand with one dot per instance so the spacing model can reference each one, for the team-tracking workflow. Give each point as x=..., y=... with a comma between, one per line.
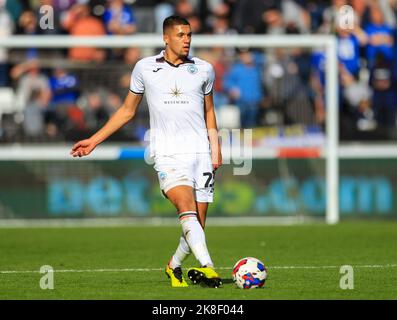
x=220, y=21
x=15, y=9
x=272, y=22
x=113, y=102
x=29, y=78
x=95, y=111
x=220, y=68
x=387, y=7
x=61, y=9
x=389, y=11
x=64, y=5
x=33, y=95
x=383, y=80
x=119, y=18
x=184, y=9
x=380, y=37
x=216, y=56
x=79, y=22
x=247, y=16
x=359, y=7
x=317, y=84
x=286, y=80
x=6, y=29
x=349, y=43
x=136, y=129
x=315, y=9
x=64, y=87
x=29, y=26
x=28, y=22
x=356, y=103
x=33, y=120
x=131, y=57
x=353, y=102
x=295, y=16
x=219, y=18
x=220, y=24
x=243, y=83
x=330, y=15
x=195, y=24
x=162, y=10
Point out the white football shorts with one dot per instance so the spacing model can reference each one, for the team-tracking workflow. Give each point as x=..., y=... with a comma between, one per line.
x=191, y=169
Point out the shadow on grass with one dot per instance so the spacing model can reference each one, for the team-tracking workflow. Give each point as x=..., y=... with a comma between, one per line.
x=225, y=281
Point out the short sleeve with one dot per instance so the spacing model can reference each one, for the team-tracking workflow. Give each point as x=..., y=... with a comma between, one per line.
x=137, y=85
x=209, y=83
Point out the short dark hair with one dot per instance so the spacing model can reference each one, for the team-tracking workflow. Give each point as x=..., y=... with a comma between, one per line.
x=174, y=21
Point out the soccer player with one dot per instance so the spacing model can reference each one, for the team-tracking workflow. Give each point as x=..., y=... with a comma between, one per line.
x=183, y=140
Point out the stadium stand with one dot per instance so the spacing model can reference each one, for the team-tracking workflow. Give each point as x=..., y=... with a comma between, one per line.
x=289, y=84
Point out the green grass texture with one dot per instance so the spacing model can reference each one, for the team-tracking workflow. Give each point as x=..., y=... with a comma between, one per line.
x=303, y=261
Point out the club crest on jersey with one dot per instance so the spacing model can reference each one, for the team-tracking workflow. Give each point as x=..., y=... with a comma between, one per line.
x=192, y=69
x=162, y=176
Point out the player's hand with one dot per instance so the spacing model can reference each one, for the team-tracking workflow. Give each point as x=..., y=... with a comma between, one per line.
x=83, y=148
x=216, y=158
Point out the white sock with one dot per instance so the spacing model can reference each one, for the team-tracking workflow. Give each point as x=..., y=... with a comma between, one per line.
x=195, y=237
x=181, y=253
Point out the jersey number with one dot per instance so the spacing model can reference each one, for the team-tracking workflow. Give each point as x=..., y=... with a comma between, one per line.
x=210, y=177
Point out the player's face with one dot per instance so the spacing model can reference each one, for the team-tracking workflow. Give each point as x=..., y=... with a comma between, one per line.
x=178, y=39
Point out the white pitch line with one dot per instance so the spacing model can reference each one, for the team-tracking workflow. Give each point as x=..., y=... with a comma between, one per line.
x=333, y=267
x=159, y=269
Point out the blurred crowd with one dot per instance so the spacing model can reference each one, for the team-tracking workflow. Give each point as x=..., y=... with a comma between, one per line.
x=59, y=94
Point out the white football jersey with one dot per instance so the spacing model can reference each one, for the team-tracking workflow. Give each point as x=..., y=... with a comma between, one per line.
x=175, y=96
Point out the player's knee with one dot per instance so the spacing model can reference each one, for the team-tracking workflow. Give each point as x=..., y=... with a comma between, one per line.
x=186, y=204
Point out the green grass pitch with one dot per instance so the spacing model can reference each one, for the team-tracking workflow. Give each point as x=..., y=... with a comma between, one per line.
x=112, y=263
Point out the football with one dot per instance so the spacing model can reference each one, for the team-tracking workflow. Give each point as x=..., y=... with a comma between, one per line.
x=249, y=273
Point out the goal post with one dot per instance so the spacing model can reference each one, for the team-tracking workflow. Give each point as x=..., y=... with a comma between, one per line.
x=327, y=42
x=332, y=130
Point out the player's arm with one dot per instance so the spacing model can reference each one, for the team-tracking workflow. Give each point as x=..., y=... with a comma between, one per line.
x=123, y=114
x=210, y=121
x=360, y=34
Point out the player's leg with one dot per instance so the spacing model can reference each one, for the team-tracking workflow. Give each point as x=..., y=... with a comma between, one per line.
x=182, y=197
x=184, y=200
x=204, y=188
x=202, y=208
x=205, y=274
x=183, y=249
x=181, y=253
x=176, y=176
x=204, y=191
x=172, y=173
